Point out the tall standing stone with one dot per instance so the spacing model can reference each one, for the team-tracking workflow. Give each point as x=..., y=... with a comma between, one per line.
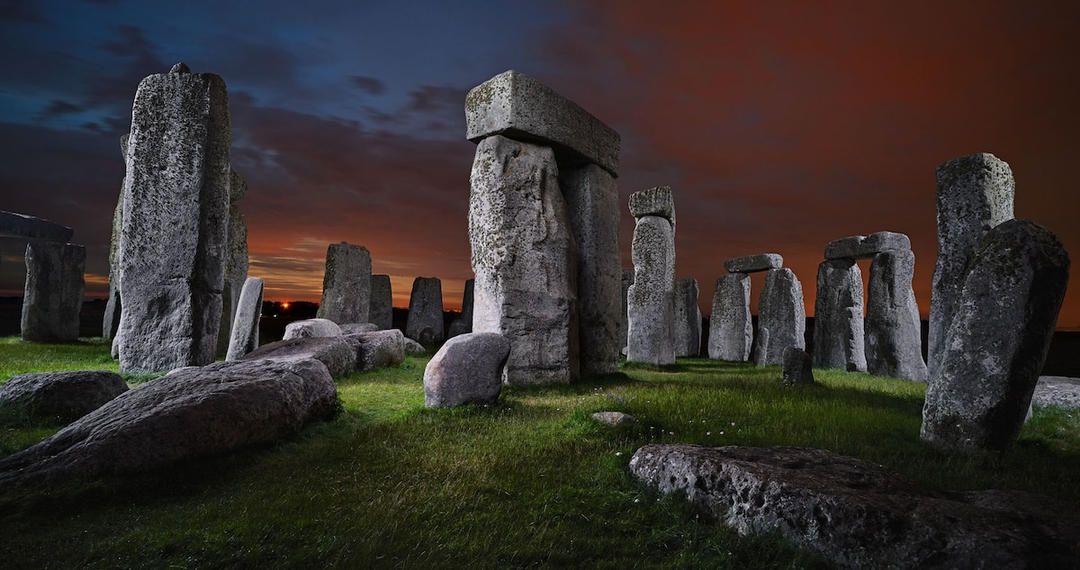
x=687, y=318
x=463, y=324
x=974, y=194
x=624, y=325
x=426, y=324
x=838, y=317
x=381, y=311
x=236, y=261
x=523, y=259
x=998, y=339
x=346, y=295
x=53, y=295
x=245, y=328
x=110, y=323
x=176, y=214
x=893, y=336
x=651, y=299
x=781, y=317
x=731, y=330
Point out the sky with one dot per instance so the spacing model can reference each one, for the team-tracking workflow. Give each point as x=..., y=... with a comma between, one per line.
x=779, y=126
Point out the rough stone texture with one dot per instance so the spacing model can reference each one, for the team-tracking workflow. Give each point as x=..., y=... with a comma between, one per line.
x=616, y=419
x=21, y=226
x=357, y=328
x=524, y=260
x=381, y=311
x=624, y=325
x=1057, y=391
x=337, y=354
x=463, y=324
x=378, y=349
x=880, y=242
x=859, y=515
x=519, y=107
x=754, y=263
x=311, y=328
x=798, y=368
x=651, y=299
x=997, y=342
x=188, y=414
x=346, y=295
x=687, y=327
x=838, y=316
x=731, y=330
x=781, y=317
x=974, y=194
x=111, y=322
x=414, y=348
x=57, y=398
x=236, y=261
x=244, y=336
x=893, y=337
x=466, y=370
x=53, y=295
x=844, y=248
x=176, y=215
x=657, y=201
x=425, y=324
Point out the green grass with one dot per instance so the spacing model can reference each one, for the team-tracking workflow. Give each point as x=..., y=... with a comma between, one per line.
x=529, y=482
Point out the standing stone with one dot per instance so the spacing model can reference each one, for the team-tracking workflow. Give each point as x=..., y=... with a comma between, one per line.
x=346, y=295
x=893, y=338
x=627, y=281
x=245, y=329
x=463, y=324
x=781, y=317
x=687, y=318
x=838, y=317
x=731, y=329
x=651, y=299
x=797, y=366
x=998, y=340
x=974, y=194
x=53, y=295
x=111, y=321
x=176, y=214
x=425, y=324
x=381, y=311
x=523, y=258
x=236, y=261
x=592, y=203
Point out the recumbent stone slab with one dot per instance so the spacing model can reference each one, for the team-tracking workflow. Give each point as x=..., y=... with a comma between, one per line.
x=687, y=327
x=781, y=317
x=346, y=295
x=651, y=299
x=754, y=263
x=893, y=337
x=425, y=324
x=844, y=248
x=466, y=370
x=839, y=340
x=244, y=336
x=731, y=330
x=57, y=398
x=53, y=295
x=21, y=226
x=338, y=354
x=311, y=328
x=378, y=349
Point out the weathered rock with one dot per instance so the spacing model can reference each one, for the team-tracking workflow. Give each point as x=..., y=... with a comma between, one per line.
x=859, y=515
x=378, y=349
x=346, y=296
x=998, y=339
x=53, y=295
x=244, y=336
x=881, y=242
x=517, y=106
x=21, y=226
x=191, y=413
x=311, y=328
x=467, y=369
x=236, y=262
x=425, y=324
x=523, y=259
x=798, y=368
x=592, y=203
x=1057, y=391
x=754, y=263
x=624, y=325
x=414, y=348
x=844, y=248
x=57, y=398
x=974, y=194
x=731, y=330
x=838, y=316
x=463, y=324
x=657, y=201
x=651, y=299
x=617, y=419
x=381, y=307
x=687, y=327
x=893, y=337
x=113, y=306
x=176, y=215
x=338, y=354
x=781, y=317
x=357, y=328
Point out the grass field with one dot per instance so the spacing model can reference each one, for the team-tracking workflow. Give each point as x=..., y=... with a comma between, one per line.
x=529, y=482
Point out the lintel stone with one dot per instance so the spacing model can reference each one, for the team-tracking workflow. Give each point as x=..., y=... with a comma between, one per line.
x=752, y=263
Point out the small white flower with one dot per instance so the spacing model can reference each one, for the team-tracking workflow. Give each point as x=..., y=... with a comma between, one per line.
x=618, y=453
x=637, y=500
x=708, y=433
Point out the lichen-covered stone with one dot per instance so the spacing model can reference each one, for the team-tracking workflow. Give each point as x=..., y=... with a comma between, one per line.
x=838, y=316
x=731, y=330
x=657, y=201
x=244, y=336
x=338, y=354
x=615, y=419
x=754, y=263
x=378, y=349
x=781, y=317
x=687, y=327
x=346, y=295
x=53, y=295
x=57, y=398
x=312, y=328
x=893, y=337
x=651, y=299
x=381, y=310
x=426, y=324
x=466, y=370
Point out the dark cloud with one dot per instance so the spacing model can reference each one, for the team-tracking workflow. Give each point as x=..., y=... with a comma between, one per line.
x=369, y=85
x=59, y=108
x=20, y=12
x=428, y=98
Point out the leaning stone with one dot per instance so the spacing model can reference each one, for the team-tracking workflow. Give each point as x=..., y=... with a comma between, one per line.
x=176, y=215
x=651, y=299
x=467, y=369
x=974, y=194
x=356, y=328
x=1057, y=392
x=338, y=354
x=522, y=255
x=517, y=106
x=687, y=327
x=23, y=227
x=193, y=413
x=754, y=263
x=414, y=348
x=893, y=336
x=881, y=242
x=998, y=340
x=839, y=340
x=53, y=295
x=311, y=328
x=245, y=329
x=378, y=349
x=657, y=201
x=844, y=248
x=859, y=515
x=731, y=330
x=798, y=368
x=616, y=419
x=346, y=295
x=781, y=317
x=425, y=323
x=57, y=398
x=236, y=261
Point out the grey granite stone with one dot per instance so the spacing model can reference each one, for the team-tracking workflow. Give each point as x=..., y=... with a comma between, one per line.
x=687, y=327
x=731, y=330
x=244, y=336
x=839, y=340
x=425, y=324
x=381, y=310
x=893, y=337
x=346, y=294
x=656, y=201
x=651, y=299
x=754, y=263
x=53, y=295
x=798, y=368
x=468, y=369
x=57, y=398
x=781, y=317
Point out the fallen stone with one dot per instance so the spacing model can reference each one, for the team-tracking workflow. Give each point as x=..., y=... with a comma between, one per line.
x=57, y=398
x=858, y=515
x=311, y=328
x=998, y=339
x=23, y=227
x=425, y=323
x=687, y=318
x=617, y=419
x=356, y=328
x=338, y=354
x=53, y=295
x=844, y=248
x=651, y=299
x=754, y=263
x=893, y=336
x=346, y=296
x=381, y=311
x=731, y=330
x=1058, y=392
x=378, y=349
x=414, y=348
x=467, y=369
x=657, y=201
x=245, y=329
x=781, y=317
x=839, y=340
x=798, y=368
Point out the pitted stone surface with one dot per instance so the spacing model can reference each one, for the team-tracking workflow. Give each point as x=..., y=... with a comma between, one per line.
x=731, y=330
x=844, y=248
x=624, y=325
x=893, y=337
x=337, y=354
x=381, y=310
x=378, y=349
x=57, y=398
x=651, y=299
x=236, y=261
x=346, y=295
x=781, y=317
x=425, y=324
x=687, y=326
x=53, y=295
x=839, y=340
x=1057, y=391
x=657, y=201
x=466, y=370
x=356, y=328
x=881, y=242
x=245, y=329
x=312, y=328
x=754, y=263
